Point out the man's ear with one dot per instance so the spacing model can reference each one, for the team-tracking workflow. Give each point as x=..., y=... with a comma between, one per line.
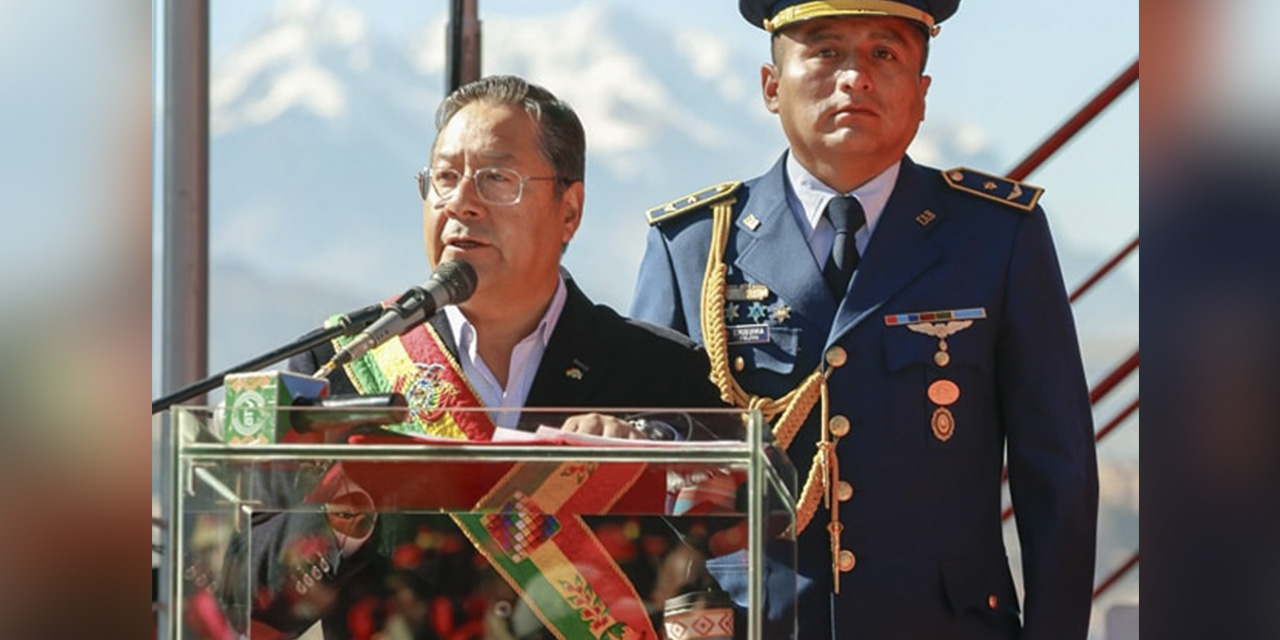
x=925, y=81
x=769, y=87
x=571, y=208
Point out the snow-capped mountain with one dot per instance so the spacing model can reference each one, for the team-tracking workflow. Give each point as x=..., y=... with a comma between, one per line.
x=320, y=121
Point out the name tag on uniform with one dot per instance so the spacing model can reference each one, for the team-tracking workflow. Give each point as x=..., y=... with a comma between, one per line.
x=748, y=334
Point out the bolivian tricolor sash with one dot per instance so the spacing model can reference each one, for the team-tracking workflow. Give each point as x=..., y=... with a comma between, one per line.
x=527, y=525
x=417, y=365
x=528, y=528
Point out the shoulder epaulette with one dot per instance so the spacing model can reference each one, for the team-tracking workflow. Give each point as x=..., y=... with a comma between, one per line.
x=995, y=188
x=691, y=202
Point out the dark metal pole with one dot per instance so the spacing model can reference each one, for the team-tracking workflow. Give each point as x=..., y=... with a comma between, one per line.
x=185, y=286
x=186, y=192
x=463, y=43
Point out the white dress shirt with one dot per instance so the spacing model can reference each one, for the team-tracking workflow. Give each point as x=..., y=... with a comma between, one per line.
x=525, y=358
x=808, y=197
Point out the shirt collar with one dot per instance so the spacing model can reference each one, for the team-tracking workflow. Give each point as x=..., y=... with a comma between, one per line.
x=465, y=333
x=813, y=194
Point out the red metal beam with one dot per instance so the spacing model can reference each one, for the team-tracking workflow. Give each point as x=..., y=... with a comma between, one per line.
x=1077, y=122
x=1114, y=378
x=1116, y=575
x=1103, y=270
x=1115, y=422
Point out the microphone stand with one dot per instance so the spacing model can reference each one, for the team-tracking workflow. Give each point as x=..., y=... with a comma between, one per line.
x=347, y=325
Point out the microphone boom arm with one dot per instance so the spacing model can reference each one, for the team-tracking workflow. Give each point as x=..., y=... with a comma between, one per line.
x=346, y=325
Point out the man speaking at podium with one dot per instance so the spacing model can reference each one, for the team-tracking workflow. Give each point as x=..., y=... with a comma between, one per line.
x=504, y=193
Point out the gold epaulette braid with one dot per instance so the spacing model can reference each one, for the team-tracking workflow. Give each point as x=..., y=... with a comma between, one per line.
x=794, y=407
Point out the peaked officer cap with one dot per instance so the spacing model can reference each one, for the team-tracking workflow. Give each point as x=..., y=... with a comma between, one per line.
x=772, y=15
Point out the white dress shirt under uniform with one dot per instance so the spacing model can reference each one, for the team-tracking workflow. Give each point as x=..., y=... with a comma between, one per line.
x=808, y=197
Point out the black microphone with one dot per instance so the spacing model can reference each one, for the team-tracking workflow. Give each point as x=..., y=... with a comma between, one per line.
x=453, y=282
x=347, y=411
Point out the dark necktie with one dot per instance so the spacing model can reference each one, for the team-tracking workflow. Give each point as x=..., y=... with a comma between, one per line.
x=847, y=217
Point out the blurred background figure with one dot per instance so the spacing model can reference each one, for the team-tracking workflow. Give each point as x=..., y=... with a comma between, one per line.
x=1211, y=194
x=75, y=201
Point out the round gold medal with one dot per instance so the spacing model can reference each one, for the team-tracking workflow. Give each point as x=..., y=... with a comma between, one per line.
x=944, y=392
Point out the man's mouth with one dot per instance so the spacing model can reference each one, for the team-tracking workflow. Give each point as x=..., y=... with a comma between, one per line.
x=465, y=243
x=855, y=110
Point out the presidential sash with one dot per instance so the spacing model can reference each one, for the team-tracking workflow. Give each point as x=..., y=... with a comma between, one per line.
x=418, y=366
x=555, y=561
x=527, y=525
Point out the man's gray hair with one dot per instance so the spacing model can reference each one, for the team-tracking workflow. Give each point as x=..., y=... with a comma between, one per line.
x=561, y=137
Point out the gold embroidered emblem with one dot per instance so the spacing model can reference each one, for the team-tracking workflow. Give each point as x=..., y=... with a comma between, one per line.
x=426, y=392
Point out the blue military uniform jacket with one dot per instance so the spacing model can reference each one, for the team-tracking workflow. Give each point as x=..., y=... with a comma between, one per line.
x=922, y=515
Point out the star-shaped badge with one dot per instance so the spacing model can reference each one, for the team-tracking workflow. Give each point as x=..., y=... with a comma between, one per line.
x=782, y=314
x=731, y=312
x=757, y=312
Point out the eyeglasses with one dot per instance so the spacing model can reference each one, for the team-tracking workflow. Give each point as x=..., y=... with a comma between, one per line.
x=495, y=185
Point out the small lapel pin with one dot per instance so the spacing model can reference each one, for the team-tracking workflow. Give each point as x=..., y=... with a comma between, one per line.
x=751, y=222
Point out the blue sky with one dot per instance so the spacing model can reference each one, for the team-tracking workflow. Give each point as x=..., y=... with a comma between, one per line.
x=1011, y=69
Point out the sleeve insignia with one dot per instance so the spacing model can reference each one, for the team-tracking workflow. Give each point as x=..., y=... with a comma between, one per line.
x=694, y=201
x=995, y=188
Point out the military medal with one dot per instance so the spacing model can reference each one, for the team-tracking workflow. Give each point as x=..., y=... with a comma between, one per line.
x=976, y=313
x=782, y=314
x=748, y=292
x=943, y=424
x=939, y=324
x=944, y=393
x=941, y=331
x=731, y=312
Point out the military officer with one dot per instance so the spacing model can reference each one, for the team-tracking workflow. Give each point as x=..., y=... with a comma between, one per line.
x=903, y=328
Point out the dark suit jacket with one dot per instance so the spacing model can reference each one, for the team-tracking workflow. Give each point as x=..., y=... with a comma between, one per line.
x=624, y=364
x=924, y=519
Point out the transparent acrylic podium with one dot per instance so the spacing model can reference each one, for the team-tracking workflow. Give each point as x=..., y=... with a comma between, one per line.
x=526, y=536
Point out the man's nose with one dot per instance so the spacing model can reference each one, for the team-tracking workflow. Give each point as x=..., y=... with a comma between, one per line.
x=850, y=79
x=465, y=199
